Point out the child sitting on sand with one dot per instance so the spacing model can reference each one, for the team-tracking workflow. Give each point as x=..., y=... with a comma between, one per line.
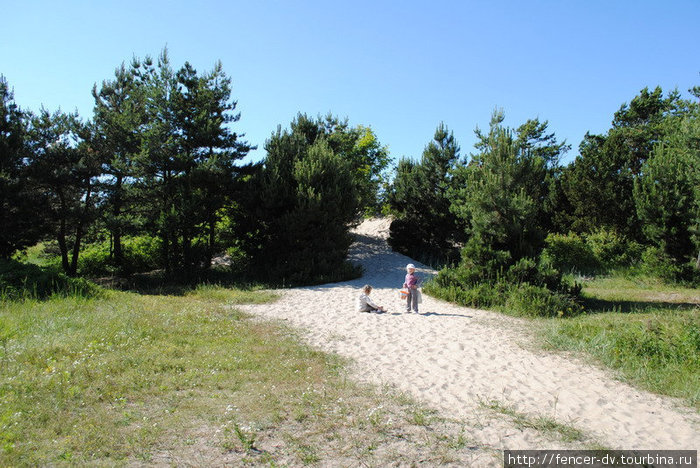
x=411, y=284
x=365, y=304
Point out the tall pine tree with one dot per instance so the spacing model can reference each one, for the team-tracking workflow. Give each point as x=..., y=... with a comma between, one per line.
x=423, y=226
x=119, y=116
x=21, y=207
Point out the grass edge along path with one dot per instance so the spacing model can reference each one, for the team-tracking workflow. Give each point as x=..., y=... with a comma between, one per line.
x=648, y=333
x=130, y=379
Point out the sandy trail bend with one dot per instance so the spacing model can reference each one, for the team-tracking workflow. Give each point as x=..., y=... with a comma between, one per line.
x=455, y=359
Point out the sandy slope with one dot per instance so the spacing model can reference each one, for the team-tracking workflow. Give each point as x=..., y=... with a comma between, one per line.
x=455, y=359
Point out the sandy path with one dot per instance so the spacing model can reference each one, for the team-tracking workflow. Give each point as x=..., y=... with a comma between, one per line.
x=455, y=358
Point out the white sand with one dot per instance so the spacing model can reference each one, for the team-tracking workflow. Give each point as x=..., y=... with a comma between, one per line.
x=455, y=359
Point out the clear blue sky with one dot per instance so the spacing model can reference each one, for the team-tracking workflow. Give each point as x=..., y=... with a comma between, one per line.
x=400, y=67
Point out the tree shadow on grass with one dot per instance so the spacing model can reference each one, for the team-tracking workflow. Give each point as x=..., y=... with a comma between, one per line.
x=156, y=283
x=19, y=281
x=602, y=306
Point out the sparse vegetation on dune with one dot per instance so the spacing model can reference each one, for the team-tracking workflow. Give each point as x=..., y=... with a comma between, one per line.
x=129, y=378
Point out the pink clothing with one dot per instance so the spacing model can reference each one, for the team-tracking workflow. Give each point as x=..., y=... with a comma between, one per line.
x=411, y=281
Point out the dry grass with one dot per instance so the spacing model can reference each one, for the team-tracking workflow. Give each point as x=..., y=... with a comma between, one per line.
x=127, y=379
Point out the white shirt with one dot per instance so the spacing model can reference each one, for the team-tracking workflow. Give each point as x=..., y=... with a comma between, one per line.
x=365, y=304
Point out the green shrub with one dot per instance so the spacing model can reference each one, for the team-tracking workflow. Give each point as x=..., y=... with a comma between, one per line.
x=95, y=260
x=542, y=273
x=240, y=262
x=570, y=253
x=140, y=253
x=526, y=288
x=478, y=295
x=613, y=250
x=487, y=277
x=537, y=301
x=26, y=281
x=656, y=262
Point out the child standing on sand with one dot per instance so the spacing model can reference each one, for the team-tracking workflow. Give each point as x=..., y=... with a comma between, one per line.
x=411, y=284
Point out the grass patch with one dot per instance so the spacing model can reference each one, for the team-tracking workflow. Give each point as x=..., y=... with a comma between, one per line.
x=22, y=281
x=636, y=292
x=217, y=293
x=647, y=331
x=131, y=379
x=543, y=424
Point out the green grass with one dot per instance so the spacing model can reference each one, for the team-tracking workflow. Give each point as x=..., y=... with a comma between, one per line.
x=38, y=255
x=645, y=330
x=20, y=281
x=126, y=379
x=543, y=424
x=642, y=290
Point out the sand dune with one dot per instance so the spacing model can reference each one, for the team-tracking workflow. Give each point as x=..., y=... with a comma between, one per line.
x=459, y=360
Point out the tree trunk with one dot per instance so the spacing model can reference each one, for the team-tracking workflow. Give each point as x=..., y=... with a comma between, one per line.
x=166, y=254
x=117, y=232
x=166, y=228
x=76, y=250
x=63, y=247
x=62, y=235
x=79, y=231
x=212, y=239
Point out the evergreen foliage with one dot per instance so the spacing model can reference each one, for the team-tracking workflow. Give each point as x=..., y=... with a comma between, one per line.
x=359, y=146
x=599, y=184
x=119, y=116
x=667, y=197
x=64, y=169
x=187, y=160
x=301, y=201
x=423, y=227
x=158, y=167
x=502, y=199
x=19, y=204
x=505, y=195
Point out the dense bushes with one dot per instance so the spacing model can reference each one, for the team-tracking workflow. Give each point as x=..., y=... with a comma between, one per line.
x=604, y=250
x=656, y=262
x=536, y=301
x=300, y=203
x=488, y=278
x=26, y=281
x=570, y=253
x=522, y=299
x=613, y=250
x=592, y=253
x=140, y=254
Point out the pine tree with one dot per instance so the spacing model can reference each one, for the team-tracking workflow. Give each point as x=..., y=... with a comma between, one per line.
x=188, y=159
x=21, y=207
x=599, y=183
x=119, y=116
x=359, y=146
x=667, y=193
x=424, y=227
x=301, y=202
x=65, y=170
x=504, y=195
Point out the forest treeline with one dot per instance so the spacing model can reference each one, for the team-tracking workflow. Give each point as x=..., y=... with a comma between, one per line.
x=510, y=219
x=153, y=180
